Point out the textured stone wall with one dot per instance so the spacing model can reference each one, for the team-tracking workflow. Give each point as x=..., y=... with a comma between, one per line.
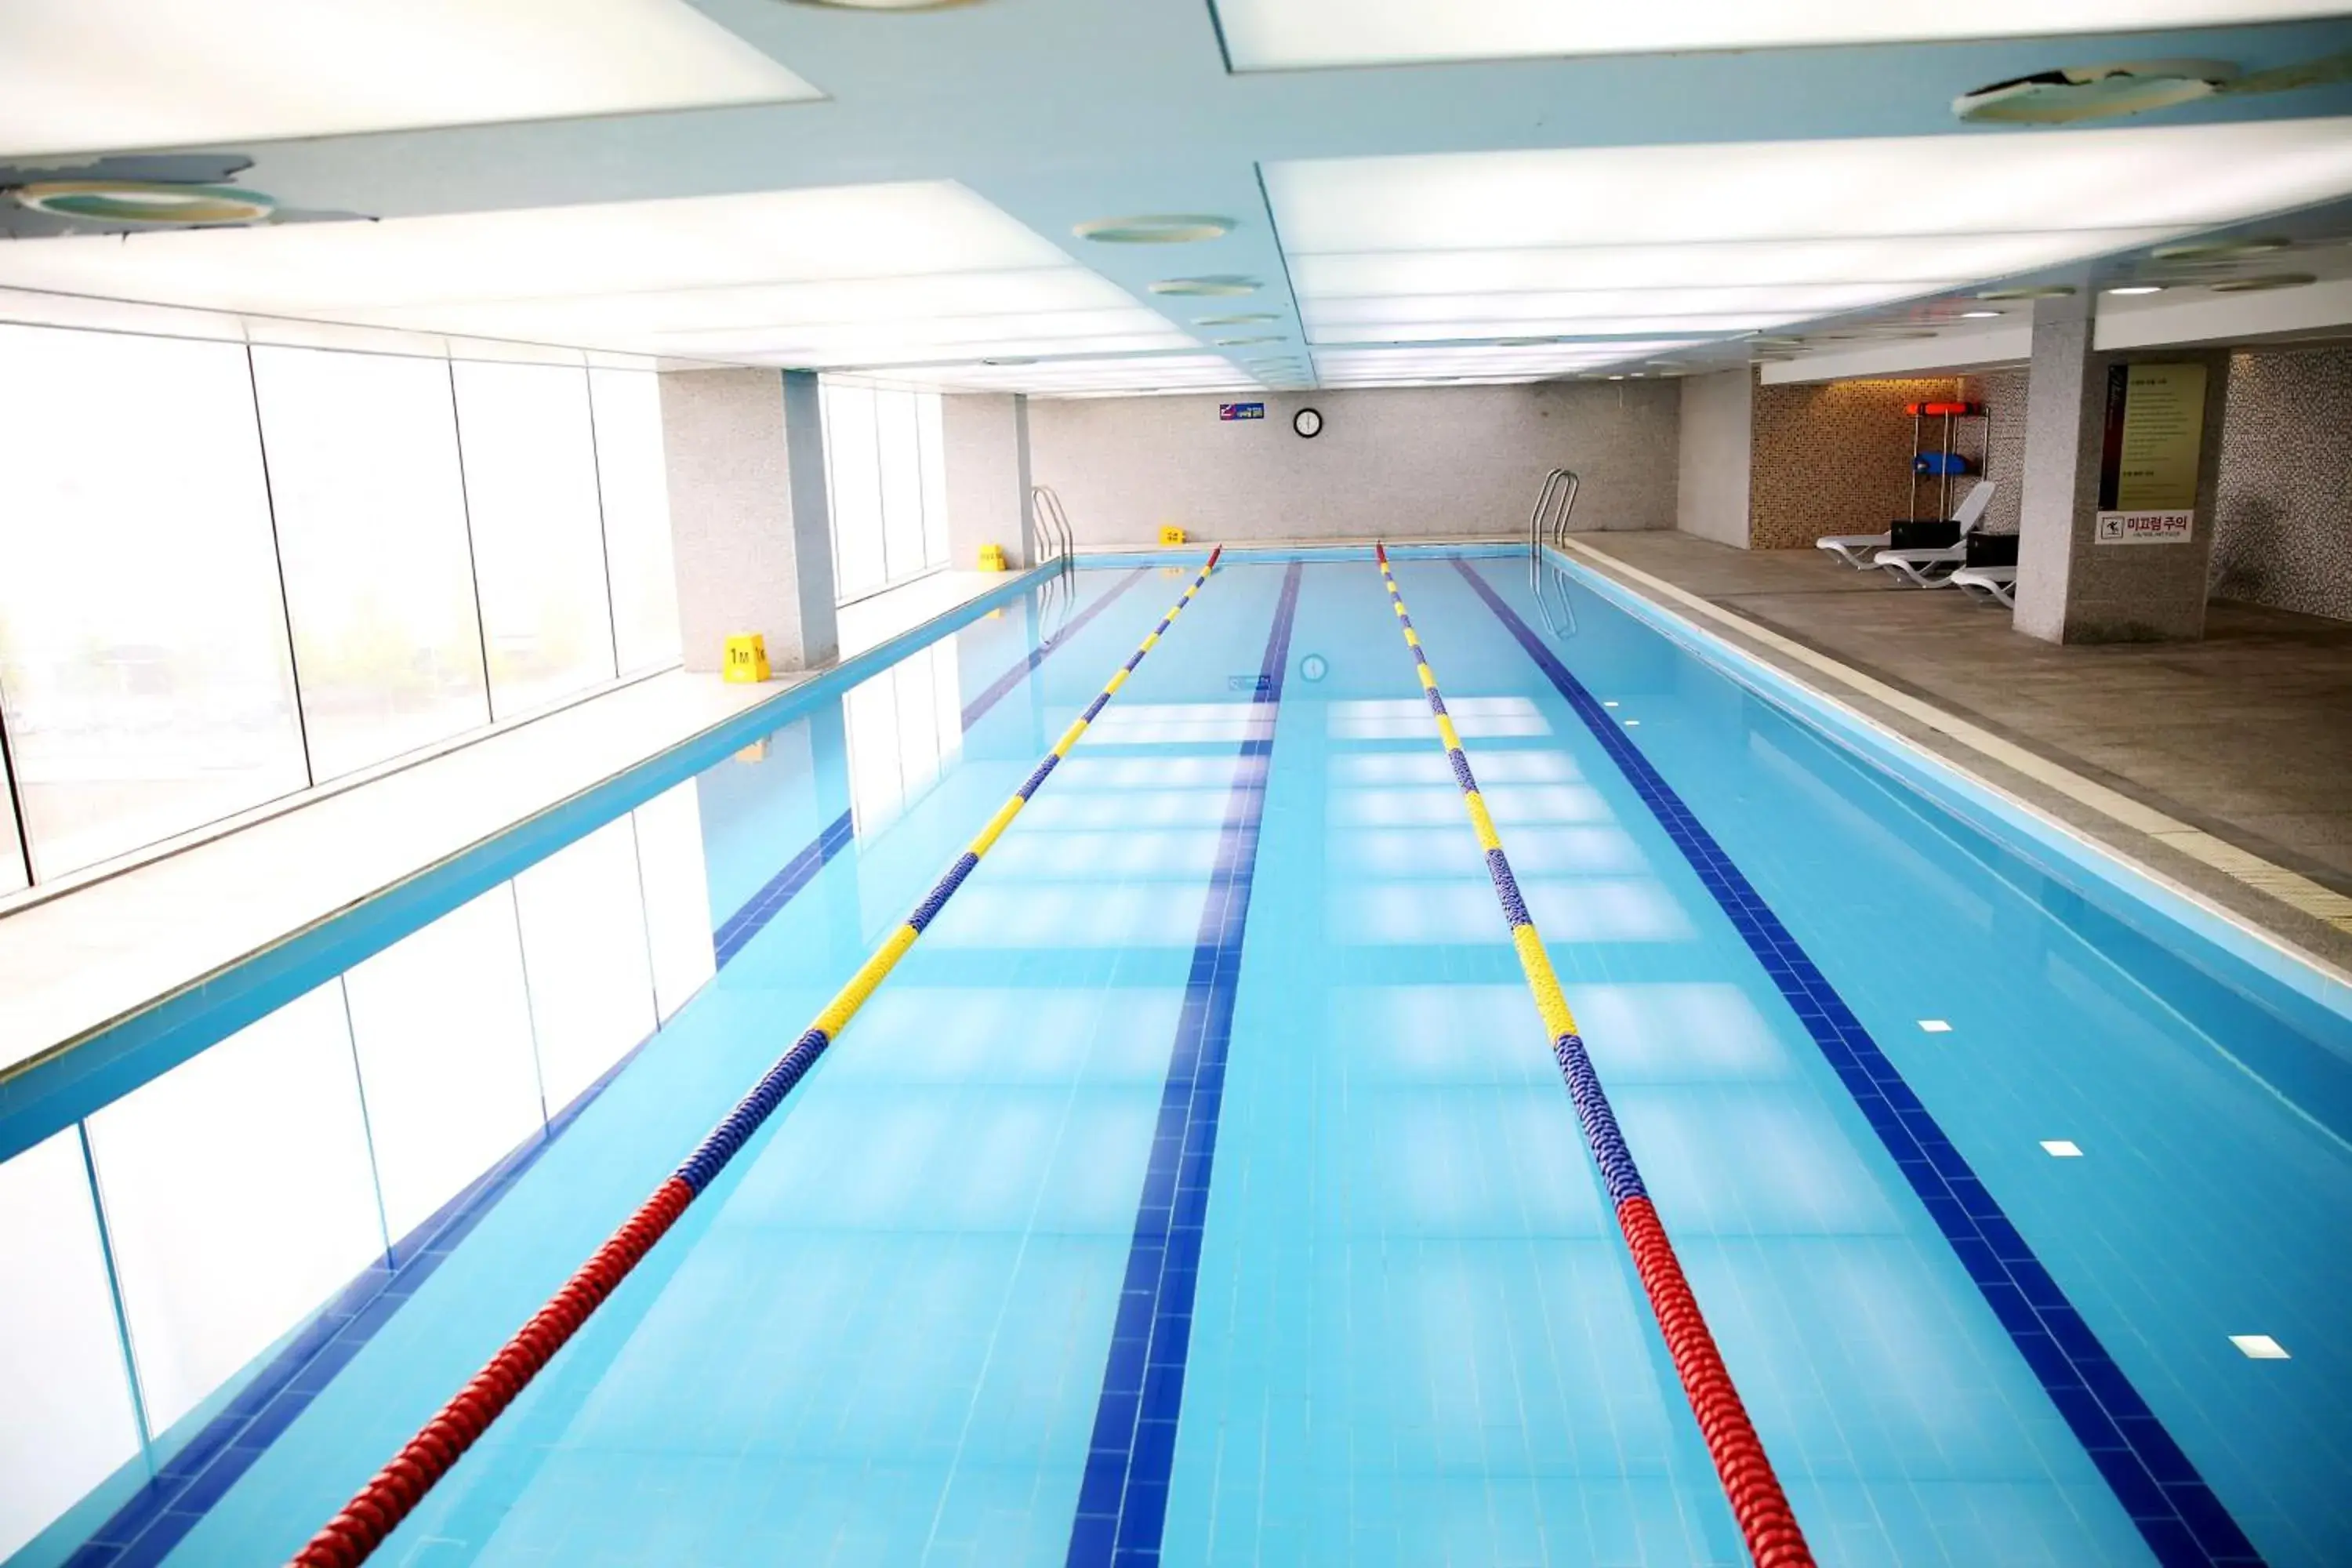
x=2283, y=522
x=1835, y=458
x=1401, y=463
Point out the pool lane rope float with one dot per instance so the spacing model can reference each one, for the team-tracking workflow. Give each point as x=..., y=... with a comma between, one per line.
x=352, y=1535
x=1766, y=1520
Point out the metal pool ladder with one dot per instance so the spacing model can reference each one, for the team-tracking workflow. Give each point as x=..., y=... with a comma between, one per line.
x=1054, y=525
x=1547, y=524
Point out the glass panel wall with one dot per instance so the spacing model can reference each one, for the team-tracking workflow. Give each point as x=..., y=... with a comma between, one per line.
x=635, y=488
x=528, y=445
x=143, y=659
x=363, y=453
x=228, y=573
x=886, y=474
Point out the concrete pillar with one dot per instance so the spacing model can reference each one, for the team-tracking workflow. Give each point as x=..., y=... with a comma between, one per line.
x=748, y=521
x=1716, y=450
x=987, y=436
x=2071, y=587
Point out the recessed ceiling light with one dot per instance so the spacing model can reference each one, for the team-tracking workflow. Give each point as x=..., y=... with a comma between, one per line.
x=2218, y=249
x=2261, y=284
x=1246, y=319
x=1979, y=315
x=1215, y=285
x=144, y=202
x=2137, y=288
x=1172, y=229
x=2027, y=291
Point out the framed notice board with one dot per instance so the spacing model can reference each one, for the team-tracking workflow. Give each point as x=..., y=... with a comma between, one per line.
x=2148, y=461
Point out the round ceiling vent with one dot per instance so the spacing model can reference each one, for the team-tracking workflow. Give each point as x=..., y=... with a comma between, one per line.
x=2092, y=92
x=1171, y=228
x=144, y=202
x=883, y=4
x=1219, y=284
x=2221, y=249
x=2262, y=283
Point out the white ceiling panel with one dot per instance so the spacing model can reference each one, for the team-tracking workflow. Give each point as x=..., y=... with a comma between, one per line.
x=1587, y=303
x=1866, y=188
x=912, y=348
x=1395, y=367
x=1172, y=373
x=835, y=234
x=81, y=76
x=1923, y=262
x=1291, y=35
x=814, y=278
x=928, y=296
x=1713, y=240
x=1498, y=325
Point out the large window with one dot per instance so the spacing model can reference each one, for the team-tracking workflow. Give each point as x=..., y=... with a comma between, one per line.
x=226, y=574
x=885, y=479
x=538, y=533
x=143, y=656
x=362, y=452
x=635, y=488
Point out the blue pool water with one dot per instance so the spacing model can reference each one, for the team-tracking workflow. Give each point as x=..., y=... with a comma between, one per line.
x=1201, y=1187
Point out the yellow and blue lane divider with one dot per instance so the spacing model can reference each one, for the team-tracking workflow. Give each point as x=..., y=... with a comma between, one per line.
x=353, y=1534
x=1758, y=1502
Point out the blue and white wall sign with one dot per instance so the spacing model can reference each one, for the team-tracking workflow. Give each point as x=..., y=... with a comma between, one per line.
x=1241, y=410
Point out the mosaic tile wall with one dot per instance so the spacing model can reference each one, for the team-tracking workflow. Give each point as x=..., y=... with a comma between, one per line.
x=1835, y=458
x=2284, y=518
x=2002, y=392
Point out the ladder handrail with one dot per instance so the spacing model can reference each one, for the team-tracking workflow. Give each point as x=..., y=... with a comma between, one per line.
x=1047, y=507
x=1561, y=484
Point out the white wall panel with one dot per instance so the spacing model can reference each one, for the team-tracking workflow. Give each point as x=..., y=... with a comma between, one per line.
x=238, y=1196
x=66, y=1421
x=676, y=884
x=583, y=943
x=442, y=1024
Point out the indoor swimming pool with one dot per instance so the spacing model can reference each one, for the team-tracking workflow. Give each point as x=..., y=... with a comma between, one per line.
x=1201, y=1186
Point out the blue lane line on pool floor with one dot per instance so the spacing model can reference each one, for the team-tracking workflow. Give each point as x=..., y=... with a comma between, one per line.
x=2177, y=1512
x=147, y=1526
x=799, y=871
x=1122, y=1509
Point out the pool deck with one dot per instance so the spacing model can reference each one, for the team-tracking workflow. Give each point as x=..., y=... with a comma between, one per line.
x=2246, y=736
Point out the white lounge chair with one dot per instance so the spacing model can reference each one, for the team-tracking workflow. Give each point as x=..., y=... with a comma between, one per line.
x=1860, y=551
x=1998, y=584
x=1855, y=549
x=1933, y=568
